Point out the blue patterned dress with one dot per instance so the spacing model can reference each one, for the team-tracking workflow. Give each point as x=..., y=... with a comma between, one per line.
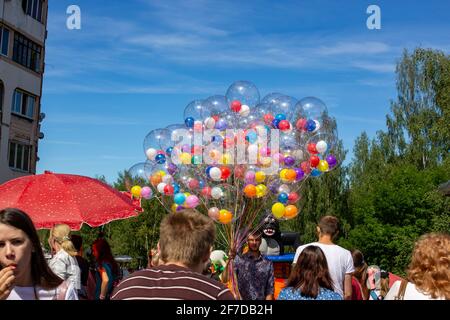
x=290, y=293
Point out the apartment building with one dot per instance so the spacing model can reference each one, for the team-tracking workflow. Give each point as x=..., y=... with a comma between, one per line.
x=23, y=30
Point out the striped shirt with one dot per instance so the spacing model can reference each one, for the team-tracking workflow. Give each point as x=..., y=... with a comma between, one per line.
x=170, y=282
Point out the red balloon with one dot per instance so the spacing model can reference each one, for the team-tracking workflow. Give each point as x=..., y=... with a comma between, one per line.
x=239, y=171
x=206, y=192
x=284, y=125
x=301, y=124
x=193, y=184
x=312, y=148
x=305, y=167
x=268, y=118
x=168, y=189
x=225, y=172
x=236, y=105
x=228, y=142
x=314, y=161
x=216, y=118
x=293, y=197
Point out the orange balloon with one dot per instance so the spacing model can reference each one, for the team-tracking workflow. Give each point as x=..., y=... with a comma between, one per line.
x=291, y=212
x=250, y=191
x=156, y=179
x=290, y=174
x=225, y=216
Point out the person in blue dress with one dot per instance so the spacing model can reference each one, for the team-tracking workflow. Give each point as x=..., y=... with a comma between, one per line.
x=310, y=278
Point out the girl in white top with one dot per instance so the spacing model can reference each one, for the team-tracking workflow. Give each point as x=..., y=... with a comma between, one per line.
x=24, y=273
x=64, y=263
x=428, y=272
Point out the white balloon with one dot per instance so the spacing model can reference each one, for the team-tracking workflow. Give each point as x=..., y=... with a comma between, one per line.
x=161, y=187
x=215, y=173
x=245, y=110
x=216, y=193
x=298, y=154
x=167, y=179
x=317, y=126
x=210, y=123
x=284, y=188
x=321, y=146
x=151, y=153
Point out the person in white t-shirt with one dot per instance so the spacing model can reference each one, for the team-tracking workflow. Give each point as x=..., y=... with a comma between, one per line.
x=340, y=261
x=428, y=272
x=64, y=263
x=24, y=273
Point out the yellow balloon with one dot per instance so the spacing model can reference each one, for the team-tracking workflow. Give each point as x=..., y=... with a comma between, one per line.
x=174, y=207
x=260, y=176
x=187, y=194
x=136, y=191
x=278, y=210
x=265, y=161
x=185, y=158
x=283, y=174
x=323, y=165
x=226, y=158
x=225, y=216
x=161, y=173
x=261, y=190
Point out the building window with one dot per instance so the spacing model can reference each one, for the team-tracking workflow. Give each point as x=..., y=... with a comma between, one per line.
x=33, y=8
x=1, y=96
x=27, y=52
x=23, y=104
x=19, y=156
x=4, y=40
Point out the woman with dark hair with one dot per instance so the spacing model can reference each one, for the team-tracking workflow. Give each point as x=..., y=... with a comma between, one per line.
x=24, y=273
x=359, y=276
x=310, y=278
x=107, y=269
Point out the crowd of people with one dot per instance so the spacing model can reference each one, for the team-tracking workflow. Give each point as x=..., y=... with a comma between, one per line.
x=179, y=267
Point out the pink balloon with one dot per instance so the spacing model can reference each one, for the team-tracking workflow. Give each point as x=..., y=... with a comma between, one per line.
x=213, y=213
x=192, y=201
x=193, y=184
x=146, y=192
x=250, y=177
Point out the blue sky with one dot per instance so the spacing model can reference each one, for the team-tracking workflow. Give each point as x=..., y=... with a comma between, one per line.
x=136, y=64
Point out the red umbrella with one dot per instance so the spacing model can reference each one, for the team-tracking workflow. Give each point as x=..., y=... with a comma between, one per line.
x=65, y=198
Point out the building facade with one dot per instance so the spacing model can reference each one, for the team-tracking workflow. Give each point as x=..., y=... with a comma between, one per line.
x=23, y=31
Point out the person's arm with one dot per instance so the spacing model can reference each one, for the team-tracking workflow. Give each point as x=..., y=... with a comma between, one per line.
x=348, y=287
x=270, y=284
x=104, y=285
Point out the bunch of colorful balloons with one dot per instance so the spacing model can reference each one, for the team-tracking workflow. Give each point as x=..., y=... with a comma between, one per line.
x=237, y=149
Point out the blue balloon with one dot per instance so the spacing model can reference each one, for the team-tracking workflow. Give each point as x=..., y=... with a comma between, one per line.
x=160, y=158
x=208, y=170
x=201, y=183
x=221, y=124
x=179, y=198
x=189, y=121
x=310, y=125
x=315, y=172
x=251, y=137
x=280, y=116
x=275, y=123
x=169, y=150
x=283, y=197
x=176, y=188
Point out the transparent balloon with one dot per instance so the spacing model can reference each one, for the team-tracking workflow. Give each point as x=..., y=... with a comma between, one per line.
x=313, y=108
x=196, y=110
x=156, y=144
x=242, y=93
